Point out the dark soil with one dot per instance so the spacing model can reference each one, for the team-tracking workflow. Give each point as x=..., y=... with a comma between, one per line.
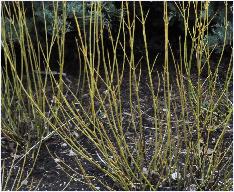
x=50, y=171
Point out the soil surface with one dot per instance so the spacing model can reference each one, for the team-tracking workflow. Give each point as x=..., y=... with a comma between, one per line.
x=56, y=167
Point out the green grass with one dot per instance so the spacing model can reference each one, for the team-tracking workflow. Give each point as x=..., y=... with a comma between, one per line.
x=192, y=105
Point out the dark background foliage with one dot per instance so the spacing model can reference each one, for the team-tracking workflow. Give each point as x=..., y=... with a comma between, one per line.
x=110, y=15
